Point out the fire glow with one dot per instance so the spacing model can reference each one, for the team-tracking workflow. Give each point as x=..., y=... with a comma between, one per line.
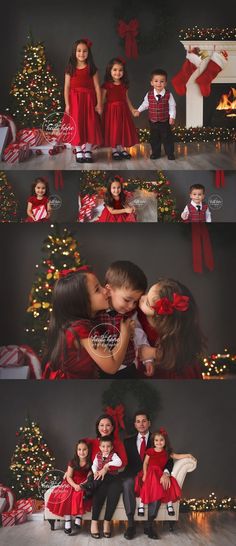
x=228, y=103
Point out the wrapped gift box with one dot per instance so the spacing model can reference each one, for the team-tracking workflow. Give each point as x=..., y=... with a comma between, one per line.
x=16, y=153
x=11, y=355
x=25, y=504
x=15, y=373
x=33, y=137
x=20, y=517
x=9, y=518
x=4, y=131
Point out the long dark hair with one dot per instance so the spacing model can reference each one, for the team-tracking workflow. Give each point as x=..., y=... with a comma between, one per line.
x=108, y=76
x=110, y=418
x=164, y=434
x=43, y=181
x=70, y=302
x=72, y=63
x=180, y=338
x=76, y=460
x=108, y=199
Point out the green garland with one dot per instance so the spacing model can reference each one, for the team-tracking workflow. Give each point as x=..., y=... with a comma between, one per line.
x=161, y=21
x=196, y=134
x=144, y=395
x=209, y=33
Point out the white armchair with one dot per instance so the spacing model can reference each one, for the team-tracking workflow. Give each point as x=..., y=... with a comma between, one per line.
x=180, y=469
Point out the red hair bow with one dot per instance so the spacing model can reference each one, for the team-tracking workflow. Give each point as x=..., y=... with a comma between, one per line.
x=166, y=307
x=64, y=272
x=121, y=60
x=121, y=180
x=163, y=431
x=88, y=42
x=118, y=415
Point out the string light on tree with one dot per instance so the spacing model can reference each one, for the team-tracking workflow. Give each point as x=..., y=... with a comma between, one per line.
x=196, y=134
x=8, y=203
x=208, y=504
x=219, y=364
x=208, y=33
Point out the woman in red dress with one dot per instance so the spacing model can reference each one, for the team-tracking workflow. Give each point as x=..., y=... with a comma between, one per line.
x=169, y=317
x=119, y=129
x=38, y=208
x=83, y=104
x=71, y=351
x=67, y=499
x=116, y=209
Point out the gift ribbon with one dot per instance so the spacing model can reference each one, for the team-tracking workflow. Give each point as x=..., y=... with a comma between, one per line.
x=219, y=179
x=201, y=247
x=129, y=31
x=58, y=180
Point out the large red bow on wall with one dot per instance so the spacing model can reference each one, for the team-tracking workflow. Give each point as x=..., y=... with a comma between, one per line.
x=58, y=180
x=117, y=414
x=201, y=247
x=219, y=179
x=129, y=31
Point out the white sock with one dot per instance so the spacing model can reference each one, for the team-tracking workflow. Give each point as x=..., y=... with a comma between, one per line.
x=67, y=522
x=78, y=520
x=170, y=504
x=88, y=147
x=115, y=150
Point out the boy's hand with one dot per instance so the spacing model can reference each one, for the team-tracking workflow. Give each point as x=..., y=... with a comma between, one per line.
x=149, y=369
x=136, y=113
x=184, y=215
x=99, y=109
x=172, y=121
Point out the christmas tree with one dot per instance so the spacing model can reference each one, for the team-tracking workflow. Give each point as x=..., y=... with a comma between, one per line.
x=62, y=253
x=8, y=202
x=35, y=92
x=30, y=460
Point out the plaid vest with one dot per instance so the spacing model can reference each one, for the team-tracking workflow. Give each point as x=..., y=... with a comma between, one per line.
x=197, y=215
x=158, y=110
x=114, y=320
x=102, y=462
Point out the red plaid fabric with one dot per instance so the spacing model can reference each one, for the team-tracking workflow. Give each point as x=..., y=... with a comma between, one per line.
x=101, y=461
x=114, y=321
x=158, y=109
x=195, y=215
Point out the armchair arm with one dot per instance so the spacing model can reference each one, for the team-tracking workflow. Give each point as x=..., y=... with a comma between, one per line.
x=181, y=467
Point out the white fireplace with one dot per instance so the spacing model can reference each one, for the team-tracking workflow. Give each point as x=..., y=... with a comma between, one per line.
x=194, y=99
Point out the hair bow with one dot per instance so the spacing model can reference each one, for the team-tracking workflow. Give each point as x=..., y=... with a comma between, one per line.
x=166, y=307
x=121, y=180
x=88, y=42
x=64, y=272
x=121, y=60
x=163, y=431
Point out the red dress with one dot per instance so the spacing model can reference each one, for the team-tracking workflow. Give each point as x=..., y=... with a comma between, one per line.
x=118, y=124
x=39, y=209
x=151, y=490
x=64, y=500
x=107, y=216
x=78, y=363
x=85, y=123
x=192, y=371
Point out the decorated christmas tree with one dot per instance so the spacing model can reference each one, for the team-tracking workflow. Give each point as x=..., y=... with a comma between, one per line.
x=35, y=92
x=8, y=202
x=62, y=252
x=29, y=462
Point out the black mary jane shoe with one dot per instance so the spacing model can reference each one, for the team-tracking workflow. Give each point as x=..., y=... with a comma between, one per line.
x=88, y=158
x=170, y=511
x=125, y=155
x=116, y=156
x=68, y=531
x=141, y=511
x=79, y=158
x=78, y=525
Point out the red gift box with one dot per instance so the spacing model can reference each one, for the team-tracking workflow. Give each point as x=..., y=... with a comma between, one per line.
x=11, y=355
x=9, y=518
x=17, y=152
x=20, y=517
x=88, y=202
x=25, y=504
x=33, y=137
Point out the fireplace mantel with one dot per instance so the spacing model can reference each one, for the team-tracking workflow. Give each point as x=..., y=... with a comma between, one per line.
x=194, y=99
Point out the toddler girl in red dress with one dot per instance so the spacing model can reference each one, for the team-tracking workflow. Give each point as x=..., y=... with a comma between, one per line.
x=82, y=95
x=38, y=208
x=119, y=129
x=116, y=208
x=67, y=499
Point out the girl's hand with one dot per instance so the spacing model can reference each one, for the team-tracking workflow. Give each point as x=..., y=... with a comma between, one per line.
x=144, y=478
x=77, y=487
x=129, y=210
x=171, y=121
x=99, y=109
x=100, y=475
x=67, y=109
x=149, y=369
x=136, y=113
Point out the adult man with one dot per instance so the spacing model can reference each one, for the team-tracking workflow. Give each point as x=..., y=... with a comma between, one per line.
x=135, y=448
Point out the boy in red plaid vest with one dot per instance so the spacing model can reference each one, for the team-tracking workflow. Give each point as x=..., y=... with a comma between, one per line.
x=161, y=108
x=196, y=210
x=126, y=283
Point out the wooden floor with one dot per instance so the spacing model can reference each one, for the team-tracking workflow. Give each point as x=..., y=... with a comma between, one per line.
x=213, y=529
x=191, y=156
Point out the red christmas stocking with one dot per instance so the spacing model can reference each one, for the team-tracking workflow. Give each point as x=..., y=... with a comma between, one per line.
x=191, y=63
x=214, y=66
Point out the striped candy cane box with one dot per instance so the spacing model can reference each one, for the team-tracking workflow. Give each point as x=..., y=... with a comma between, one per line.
x=11, y=355
x=17, y=152
x=33, y=137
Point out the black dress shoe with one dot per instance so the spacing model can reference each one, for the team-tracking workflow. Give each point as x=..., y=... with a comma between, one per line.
x=130, y=533
x=154, y=156
x=149, y=531
x=116, y=156
x=88, y=158
x=171, y=157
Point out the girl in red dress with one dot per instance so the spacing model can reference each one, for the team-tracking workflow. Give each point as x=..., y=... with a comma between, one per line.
x=71, y=351
x=119, y=129
x=169, y=316
x=116, y=209
x=38, y=209
x=67, y=499
x=83, y=104
x=148, y=482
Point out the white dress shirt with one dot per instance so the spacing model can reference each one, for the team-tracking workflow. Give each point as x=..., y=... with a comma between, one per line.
x=115, y=461
x=139, y=440
x=208, y=214
x=172, y=103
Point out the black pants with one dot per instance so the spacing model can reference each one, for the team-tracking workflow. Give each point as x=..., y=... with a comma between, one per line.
x=129, y=372
x=129, y=499
x=160, y=133
x=109, y=490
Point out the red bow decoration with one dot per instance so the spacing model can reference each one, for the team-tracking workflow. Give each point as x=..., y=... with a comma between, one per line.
x=64, y=272
x=166, y=307
x=201, y=247
x=87, y=41
x=117, y=414
x=129, y=31
x=58, y=180
x=121, y=60
x=219, y=179
x=121, y=180
x=163, y=431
